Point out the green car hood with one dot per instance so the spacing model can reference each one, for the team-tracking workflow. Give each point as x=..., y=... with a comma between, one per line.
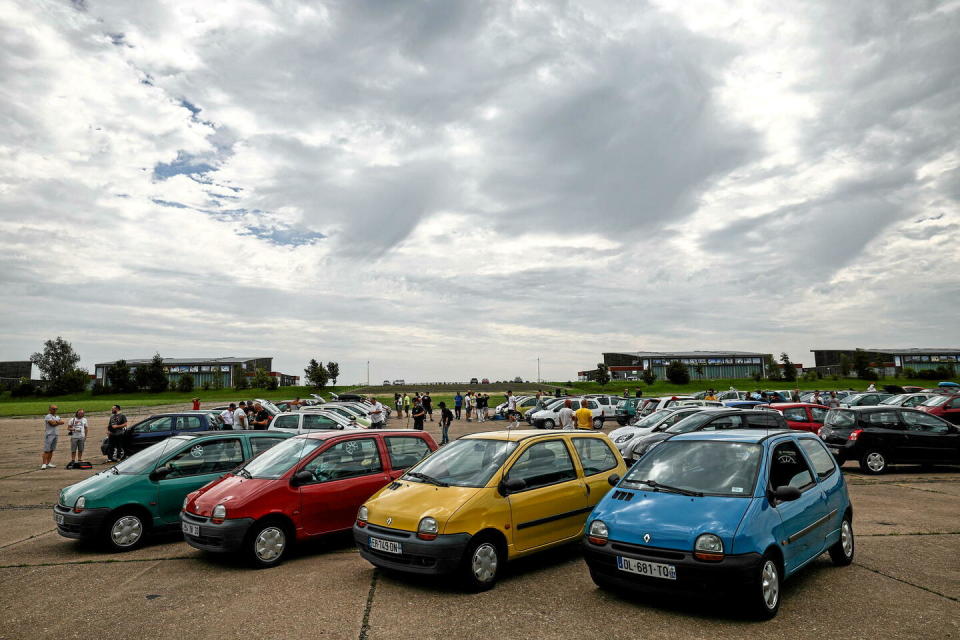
x=105, y=489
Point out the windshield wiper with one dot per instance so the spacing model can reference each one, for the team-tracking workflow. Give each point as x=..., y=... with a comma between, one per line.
x=426, y=478
x=243, y=473
x=656, y=485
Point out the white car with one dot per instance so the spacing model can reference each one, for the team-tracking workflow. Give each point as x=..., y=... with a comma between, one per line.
x=657, y=421
x=655, y=404
x=696, y=403
x=547, y=418
x=342, y=412
x=608, y=404
x=308, y=421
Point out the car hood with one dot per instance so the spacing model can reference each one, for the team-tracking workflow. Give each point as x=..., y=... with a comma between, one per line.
x=673, y=521
x=230, y=490
x=624, y=432
x=406, y=503
x=98, y=488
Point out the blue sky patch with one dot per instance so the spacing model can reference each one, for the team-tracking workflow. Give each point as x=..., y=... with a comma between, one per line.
x=185, y=164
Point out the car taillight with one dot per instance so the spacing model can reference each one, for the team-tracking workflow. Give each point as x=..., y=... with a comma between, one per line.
x=854, y=434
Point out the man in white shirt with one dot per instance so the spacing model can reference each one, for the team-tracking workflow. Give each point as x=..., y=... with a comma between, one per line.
x=511, y=413
x=565, y=416
x=240, y=417
x=377, y=414
x=227, y=416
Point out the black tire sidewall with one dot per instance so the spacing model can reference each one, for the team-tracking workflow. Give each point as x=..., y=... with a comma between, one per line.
x=469, y=581
x=755, y=594
x=249, y=549
x=866, y=469
x=107, y=536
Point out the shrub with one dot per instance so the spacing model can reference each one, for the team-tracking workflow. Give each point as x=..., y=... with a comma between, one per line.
x=649, y=377
x=185, y=383
x=23, y=388
x=99, y=389
x=241, y=382
x=678, y=373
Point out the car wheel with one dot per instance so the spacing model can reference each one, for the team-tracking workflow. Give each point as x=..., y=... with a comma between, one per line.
x=267, y=544
x=549, y=424
x=764, y=588
x=842, y=551
x=598, y=423
x=124, y=531
x=601, y=582
x=622, y=422
x=873, y=462
x=482, y=562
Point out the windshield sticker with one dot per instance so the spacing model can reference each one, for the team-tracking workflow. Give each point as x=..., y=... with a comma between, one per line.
x=197, y=451
x=736, y=490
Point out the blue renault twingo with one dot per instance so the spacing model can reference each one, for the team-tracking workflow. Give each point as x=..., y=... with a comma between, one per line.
x=713, y=511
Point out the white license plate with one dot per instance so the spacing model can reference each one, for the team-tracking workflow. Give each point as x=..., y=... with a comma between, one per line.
x=58, y=518
x=385, y=545
x=649, y=569
x=192, y=529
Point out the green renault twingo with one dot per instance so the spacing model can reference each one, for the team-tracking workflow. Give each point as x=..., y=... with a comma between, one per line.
x=144, y=493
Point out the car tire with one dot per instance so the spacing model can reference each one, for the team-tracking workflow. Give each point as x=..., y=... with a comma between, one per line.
x=622, y=422
x=843, y=549
x=124, y=530
x=481, y=564
x=598, y=424
x=873, y=462
x=267, y=544
x=764, y=590
x=549, y=424
x=602, y=582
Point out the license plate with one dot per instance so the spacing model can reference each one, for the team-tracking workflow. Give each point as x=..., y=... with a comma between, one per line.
x=649, y=569
x=58, y=518
x=385, y=545
x=191, y=529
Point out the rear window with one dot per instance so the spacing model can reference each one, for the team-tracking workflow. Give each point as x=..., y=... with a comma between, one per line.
x=936, y=401
x=840, y=418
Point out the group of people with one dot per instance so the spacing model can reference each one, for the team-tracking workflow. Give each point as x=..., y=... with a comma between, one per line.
x=242, y=416
x=473, y=405
x=77, y=430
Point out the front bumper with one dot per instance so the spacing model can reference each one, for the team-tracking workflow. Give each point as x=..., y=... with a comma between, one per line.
x=226, y=537
x=692, y=575
x=433, y=557
x=85, y=525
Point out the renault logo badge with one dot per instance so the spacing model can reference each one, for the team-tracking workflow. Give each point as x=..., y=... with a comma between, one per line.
x=390, y=521
x=646, y=537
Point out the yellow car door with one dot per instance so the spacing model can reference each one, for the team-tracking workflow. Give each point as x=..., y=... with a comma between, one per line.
x=548, y=499
x=599, y=461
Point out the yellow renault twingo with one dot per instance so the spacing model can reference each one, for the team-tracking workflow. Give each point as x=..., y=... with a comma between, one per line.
x=485, y=499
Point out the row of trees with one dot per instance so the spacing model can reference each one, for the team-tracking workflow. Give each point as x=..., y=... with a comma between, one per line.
x=318, y=375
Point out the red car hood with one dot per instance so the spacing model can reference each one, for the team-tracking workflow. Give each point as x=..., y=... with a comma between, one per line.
x=232, y=491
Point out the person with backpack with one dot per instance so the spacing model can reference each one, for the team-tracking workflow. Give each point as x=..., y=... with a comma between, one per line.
x=77, y=429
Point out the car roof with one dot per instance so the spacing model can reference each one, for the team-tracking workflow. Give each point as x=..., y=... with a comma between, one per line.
x=326, y=435
x=751, y=436
x=791, y=405
x=522, y=434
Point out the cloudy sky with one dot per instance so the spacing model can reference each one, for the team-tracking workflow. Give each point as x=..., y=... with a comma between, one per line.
x=454, y=188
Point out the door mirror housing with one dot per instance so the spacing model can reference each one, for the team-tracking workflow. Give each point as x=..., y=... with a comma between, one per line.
x=786, y=493
x=614, y=479
x=160, y=473
x=512, y=485
x=301, y=477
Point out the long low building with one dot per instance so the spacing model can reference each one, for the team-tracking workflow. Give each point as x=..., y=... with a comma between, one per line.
x=703, y=365
x=889, y=361
x=225, y=371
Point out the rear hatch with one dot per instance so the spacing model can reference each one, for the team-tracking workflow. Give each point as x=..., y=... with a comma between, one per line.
x=837, y=426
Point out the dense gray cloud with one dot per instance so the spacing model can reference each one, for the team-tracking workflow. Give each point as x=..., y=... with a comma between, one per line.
x=453, y=189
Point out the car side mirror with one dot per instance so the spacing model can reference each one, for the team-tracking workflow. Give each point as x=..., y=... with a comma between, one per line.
x=786, y=493
x=614, y=479
x=160, y=473
x=301, y=477
x=512, y=485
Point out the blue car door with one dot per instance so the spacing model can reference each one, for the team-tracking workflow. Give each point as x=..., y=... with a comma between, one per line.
x=800, y=519
x=833, y=488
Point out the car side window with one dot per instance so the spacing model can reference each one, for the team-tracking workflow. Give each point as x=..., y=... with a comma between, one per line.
x=917, y=421
x=818, y=414
x=954, y=404
x=788, y=467
x=724, y=422
x=822, y=460
x=885, y=419
x=211, y=456
x=765, y=421
x=286, y=422
x=595, y=455
x=591, y=404
x=187, y=423
x=155, y=425
x=314, y=421
x=797, y=414
x=347, y=459
x=542, y=464
x=406, y=451
x=259, y=445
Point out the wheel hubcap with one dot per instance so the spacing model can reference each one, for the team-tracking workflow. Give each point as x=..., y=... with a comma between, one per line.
x=846, y=539
x=770, y=584
x=269, y=544
x=875, y=461
x=126, y=531
x=485, y=562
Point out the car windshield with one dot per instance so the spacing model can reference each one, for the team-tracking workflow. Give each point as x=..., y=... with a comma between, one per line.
x=692, y=423
x=653, y=419
x=840, y=418
x=467, y=462
x=146, y=460
x=892, y=400
x=936, y=401
x=709, y=467
x=277, y=460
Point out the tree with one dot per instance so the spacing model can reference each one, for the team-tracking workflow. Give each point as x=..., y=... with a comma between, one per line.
x=141, y=377
x=333, y=371
x=678, y=373
x=861, y=364
x=185, y=383
x=649, y=377
x=240, y=381
x=789, y=371
x=156, y=377
x=602, y=376
x=317, y=375
x=261, y=378
x=699, y=369
x=58, y=365
x=118, y=375
x=773, y=369
x=844, y=365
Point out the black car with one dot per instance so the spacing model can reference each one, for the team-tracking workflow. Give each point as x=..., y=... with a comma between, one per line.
x=160, y=427
x=879, y=436
x=710, y=420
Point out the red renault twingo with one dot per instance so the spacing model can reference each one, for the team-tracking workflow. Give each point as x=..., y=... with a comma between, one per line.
x=303, y=487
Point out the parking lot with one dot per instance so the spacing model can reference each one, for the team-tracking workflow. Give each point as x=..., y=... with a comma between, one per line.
x=904, y=583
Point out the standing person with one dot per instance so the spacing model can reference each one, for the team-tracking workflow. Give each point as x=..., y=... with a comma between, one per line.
x=565, y=416
x=77, y=428
x=833, y=401
x=584, y=417
x=457, y=404
x=710, y=395
x=816, y=397
x=377, y=414
x=427, y=404
x=468, y=404
x=240, y=417
x=398, y=403
x=446, y=417
x=511, y=406
x=871, y=388
x=556, y=392
x=115, y=427
x=406, y=404
x=227, y=416
x=261, y=417
x=196, y=404
x=419, y=413
x=50, y=423
x=638, y=393
x=626, y=393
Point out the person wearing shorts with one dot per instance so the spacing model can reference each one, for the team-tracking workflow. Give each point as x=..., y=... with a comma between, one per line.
x=77, y=428
x=50, y=423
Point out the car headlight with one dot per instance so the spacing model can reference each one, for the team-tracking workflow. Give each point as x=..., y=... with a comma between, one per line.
x=219, y=514
x=598, y=533
x=80, y=504
x=708, y=547
x=362, y=515
x=427, y=529
x=622, y=439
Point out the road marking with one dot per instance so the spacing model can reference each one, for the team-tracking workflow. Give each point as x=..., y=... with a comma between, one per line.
x=37, y=535
x=922, y=588
x=365, y=625
x=103, y=561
